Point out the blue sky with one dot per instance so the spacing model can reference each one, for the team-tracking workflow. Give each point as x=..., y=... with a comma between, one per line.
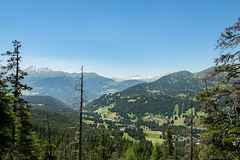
x=116, y=37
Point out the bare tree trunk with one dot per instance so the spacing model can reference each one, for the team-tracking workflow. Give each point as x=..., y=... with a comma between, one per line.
x=191, y=134
x=80, y=120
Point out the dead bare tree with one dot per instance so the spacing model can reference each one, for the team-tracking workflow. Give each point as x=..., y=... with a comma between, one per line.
x=79, y=101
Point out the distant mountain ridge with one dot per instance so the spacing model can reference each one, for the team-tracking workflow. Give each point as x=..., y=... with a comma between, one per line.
x=61, y=85
x=163, y=96
x=35, y=70
x=138, y=77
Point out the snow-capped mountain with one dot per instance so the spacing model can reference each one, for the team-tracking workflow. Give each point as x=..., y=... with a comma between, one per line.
x=61, y=85
x=137, y=77
x=34, y=69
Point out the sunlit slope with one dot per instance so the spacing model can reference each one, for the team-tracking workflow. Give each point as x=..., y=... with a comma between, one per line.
x=159, y=97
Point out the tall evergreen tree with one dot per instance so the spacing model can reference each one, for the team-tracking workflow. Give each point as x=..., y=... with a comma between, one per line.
x=22, y=135
x=6, y=116
x=102, y=145
x=157, y=152
x=221, y=102
x=117, y=148
x=168, y=144
x=130, y=153
x=49, y=146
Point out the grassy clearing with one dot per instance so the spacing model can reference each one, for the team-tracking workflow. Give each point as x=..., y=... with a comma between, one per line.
x=188, y=112
x=145, y=118
x=88, y=121
x=200, y=113
x=132, y=116
x=105, y=109
x=160, y=123
x=112, y=115
x=104, y=112
x=176, y=110
x=154, y=137
x=153, y=91
x=132, y=100
x=182, y=95
x=105, y=124
x=179, y=122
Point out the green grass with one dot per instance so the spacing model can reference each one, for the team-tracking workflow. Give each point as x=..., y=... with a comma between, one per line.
x=132, y=100
x=176, y=110
x=200, y=113
x=161, y=122
x=112, y=115
x=88, y=121
x=182, y=95
x=145, y=118
x=188, y=112
x=132, y=115
x=106, y=113
x=104, y=123
x=154, y=137
x=196, y=121
x=179, y=122
x=153, y=91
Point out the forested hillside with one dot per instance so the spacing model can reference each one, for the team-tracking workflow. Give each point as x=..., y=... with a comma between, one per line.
x=159, y=97
x=46, y=103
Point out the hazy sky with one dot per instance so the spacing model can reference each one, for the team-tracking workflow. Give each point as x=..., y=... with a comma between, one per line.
x=116, y=37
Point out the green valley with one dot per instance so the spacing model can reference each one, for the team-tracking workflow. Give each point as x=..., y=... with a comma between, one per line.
x=181, y=115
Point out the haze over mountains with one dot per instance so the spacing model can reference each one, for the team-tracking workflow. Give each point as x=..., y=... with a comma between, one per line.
x=33, y=70
x=137, y=77
x=61, y=85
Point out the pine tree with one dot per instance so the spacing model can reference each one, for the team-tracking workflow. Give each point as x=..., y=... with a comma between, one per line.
x=117, y=148
x=157, y=152
x=23, y=144
x=6, y=116
x=221, y=101
x=130, y=154
x=102, y=146
x=168, y=144
x=49, y=146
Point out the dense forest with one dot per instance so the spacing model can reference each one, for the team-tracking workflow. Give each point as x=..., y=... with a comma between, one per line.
x=36, y=130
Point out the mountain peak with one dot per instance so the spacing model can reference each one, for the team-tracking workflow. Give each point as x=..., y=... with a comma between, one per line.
x=137, y=77
x=34, y=69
